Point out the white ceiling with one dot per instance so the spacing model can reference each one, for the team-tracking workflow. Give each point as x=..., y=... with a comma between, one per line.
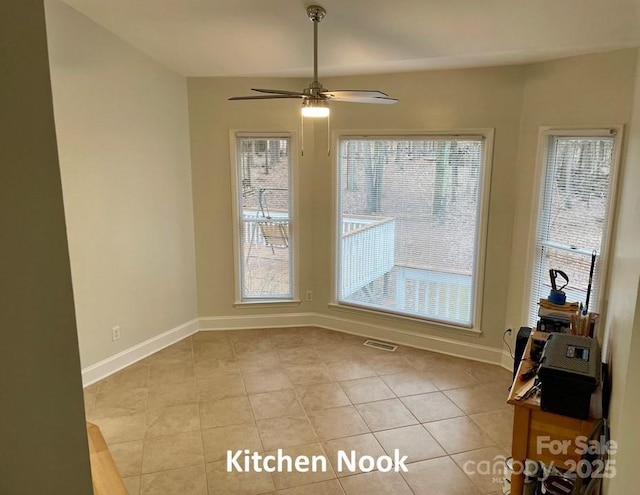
x=275, y=37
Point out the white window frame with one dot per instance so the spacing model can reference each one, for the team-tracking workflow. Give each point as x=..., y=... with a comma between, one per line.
x=294, y=300
x=544, y=135
x=481, y=233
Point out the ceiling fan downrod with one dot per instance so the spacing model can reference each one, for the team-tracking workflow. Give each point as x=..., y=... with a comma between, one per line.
x=316, y=13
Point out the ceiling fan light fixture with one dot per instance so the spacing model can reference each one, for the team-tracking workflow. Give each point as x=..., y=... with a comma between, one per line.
x=316, y=108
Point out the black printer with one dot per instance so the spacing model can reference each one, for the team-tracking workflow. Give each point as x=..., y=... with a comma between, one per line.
x=569, y=373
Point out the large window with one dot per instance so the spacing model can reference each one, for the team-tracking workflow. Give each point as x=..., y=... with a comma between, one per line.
x=411, y=224
x=265, y=219
x=573, y=213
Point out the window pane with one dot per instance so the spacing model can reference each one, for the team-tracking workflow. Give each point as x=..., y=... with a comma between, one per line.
x=572, y=216
x=265, y=217
x=409, y=213
x=577, y=191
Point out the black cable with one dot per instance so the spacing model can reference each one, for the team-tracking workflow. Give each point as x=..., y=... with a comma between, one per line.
x=508, y=330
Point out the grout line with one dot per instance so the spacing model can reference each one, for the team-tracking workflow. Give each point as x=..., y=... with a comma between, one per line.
x=146, y=419
x=197, y=391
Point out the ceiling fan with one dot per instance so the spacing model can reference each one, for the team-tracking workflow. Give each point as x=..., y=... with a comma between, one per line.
x=315, y=99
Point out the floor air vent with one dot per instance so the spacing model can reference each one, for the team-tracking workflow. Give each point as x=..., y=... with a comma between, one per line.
x=381, y=345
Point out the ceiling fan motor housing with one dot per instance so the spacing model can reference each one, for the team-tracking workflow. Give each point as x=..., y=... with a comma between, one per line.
x=316, y=13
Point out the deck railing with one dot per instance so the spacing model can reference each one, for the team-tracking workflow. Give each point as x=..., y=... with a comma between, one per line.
x=252, y=234
x=367, y=251
x=439, y=295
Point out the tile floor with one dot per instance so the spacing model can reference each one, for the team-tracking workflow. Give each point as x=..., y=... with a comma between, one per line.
x=170, y=418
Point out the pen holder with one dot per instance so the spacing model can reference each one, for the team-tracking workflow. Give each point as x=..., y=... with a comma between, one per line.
x=557, y=297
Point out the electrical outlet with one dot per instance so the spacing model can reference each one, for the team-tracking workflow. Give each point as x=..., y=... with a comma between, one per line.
x=508, y=335
x=308, y=295
x=115, y=333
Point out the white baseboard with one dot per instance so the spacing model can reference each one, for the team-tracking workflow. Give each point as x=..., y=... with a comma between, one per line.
x=507, y=360
x=106, y=367
x=442, y=345
x=247, y=322
x=434, y=343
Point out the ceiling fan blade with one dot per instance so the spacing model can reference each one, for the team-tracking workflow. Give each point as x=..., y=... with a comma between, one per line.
x=353, y=93
x=356, y=99
x=279, y=92
x=263, y=97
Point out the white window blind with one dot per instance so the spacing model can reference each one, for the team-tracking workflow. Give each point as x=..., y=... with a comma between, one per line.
x=409, y=224
x=263, y=166
x=573, y=216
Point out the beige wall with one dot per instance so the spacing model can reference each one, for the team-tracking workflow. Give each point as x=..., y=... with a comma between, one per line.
x=211, y=117
x=626, y=400
x=442, y=100
x=42, y=429
x=591, y=90
x=623, y=318
x=123, y=140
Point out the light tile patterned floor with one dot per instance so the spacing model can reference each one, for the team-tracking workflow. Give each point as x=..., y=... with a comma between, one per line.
x=170, y=418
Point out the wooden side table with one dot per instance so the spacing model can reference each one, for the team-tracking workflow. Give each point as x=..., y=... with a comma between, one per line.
x=539, y=435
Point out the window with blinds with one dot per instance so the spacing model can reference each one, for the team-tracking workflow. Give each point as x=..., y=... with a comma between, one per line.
x=411, y=218
x=264, y=206
x=573, y=214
